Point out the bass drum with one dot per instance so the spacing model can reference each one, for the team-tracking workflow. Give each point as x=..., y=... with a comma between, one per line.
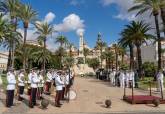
x=71, y=95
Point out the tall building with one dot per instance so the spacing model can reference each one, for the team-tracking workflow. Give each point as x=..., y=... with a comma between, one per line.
x=3, y=61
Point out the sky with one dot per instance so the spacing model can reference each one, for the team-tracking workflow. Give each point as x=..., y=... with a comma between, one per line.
x=70, y=17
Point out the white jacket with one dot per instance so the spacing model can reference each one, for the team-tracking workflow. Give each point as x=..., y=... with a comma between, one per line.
x=34, y=80
x=20, y=81
x=29, y=78
x=11, y=81
x=41, y=81
x=122, y=76
x=49, y=77
x=59, y=83
x=160, y=76
x=67, y=79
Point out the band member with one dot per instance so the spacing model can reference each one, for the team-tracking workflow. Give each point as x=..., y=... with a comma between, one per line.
x=132, y=78
x=63, y=78
x=48, y=82
x=160, y=81
x=127, y=79
x=68, y=79
x=10, y=88
x=40, y=84
x=29, y=82
x=34, y=82
x=21, y=84
x=59, y=85
x=112, y=77
x=122, y=79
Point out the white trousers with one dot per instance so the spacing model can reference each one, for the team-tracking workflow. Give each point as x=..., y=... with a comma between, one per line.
x=112, y=79
x=160, y=84
x=122, y=83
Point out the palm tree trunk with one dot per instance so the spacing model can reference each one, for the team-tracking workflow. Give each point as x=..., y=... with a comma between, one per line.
x=85, y=59
x=116, y=54
x=9, y=60
x=24, y=48
x=159, y=41
x=131, y=56
x=14, y=45
x=163, y=18
x=44, y=56
x=101, y=58
x=122, y=59
x=139, y=61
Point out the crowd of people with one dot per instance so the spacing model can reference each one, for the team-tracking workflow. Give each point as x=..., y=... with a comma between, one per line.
x=37, y=85
x=122, y=78
x=128, y=78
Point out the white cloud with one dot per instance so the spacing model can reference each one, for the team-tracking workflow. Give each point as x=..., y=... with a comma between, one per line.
x=30, y=34
x=76, y=2
x=80, y=31
x=49, y=17
x=70, y=23
x=123, y=6
x=123, y=14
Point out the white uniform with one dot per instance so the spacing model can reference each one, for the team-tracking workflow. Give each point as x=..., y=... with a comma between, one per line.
x=160, y=77
x=132, y=78
x=122, y=79
x=41, y=81
x=34, y=80
x=21, y=81
x=127, y=76
x=59, y=83
x=11, y=81
x=29, y=77
x=112, y=77
x=49, y=77
x=67, y=79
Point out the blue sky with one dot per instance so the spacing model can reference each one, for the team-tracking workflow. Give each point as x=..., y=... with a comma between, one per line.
x=94, y=14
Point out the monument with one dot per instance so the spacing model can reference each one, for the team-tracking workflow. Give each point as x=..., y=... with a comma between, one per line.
x=81, y=44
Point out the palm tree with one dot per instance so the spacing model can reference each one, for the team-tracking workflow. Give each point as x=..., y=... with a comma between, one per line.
x=153, y=6
x=12, y=7
x=125, y=42
x=28, y=52
x=138, y=34
x=100, y=45
x=42, y=55
x=117, y=48
x=27, y=15
x=44, y=30
x=122, y=52
x=62, y=40
x=109, y=56
x=86, y=53
x=60, y=54
x=70, y=46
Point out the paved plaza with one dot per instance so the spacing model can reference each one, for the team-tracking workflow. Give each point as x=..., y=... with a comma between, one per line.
x=91, y=94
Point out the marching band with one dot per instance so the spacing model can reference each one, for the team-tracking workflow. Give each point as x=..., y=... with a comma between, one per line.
x=37, y=84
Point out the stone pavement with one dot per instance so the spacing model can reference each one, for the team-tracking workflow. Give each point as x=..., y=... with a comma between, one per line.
x=91, y=94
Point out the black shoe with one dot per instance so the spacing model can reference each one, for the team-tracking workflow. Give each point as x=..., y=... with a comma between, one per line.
x=58, y=106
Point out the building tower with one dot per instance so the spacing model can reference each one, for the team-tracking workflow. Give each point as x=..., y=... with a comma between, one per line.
x=81, y=45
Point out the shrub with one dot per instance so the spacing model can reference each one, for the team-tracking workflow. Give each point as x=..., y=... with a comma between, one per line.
x=149, y=69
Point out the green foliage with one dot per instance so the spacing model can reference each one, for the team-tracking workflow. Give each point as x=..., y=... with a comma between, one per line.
x=124, y=66
x=80, y=60
x=4, y=81
x=149, y=69
x=94, y=63
x=68, y=61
